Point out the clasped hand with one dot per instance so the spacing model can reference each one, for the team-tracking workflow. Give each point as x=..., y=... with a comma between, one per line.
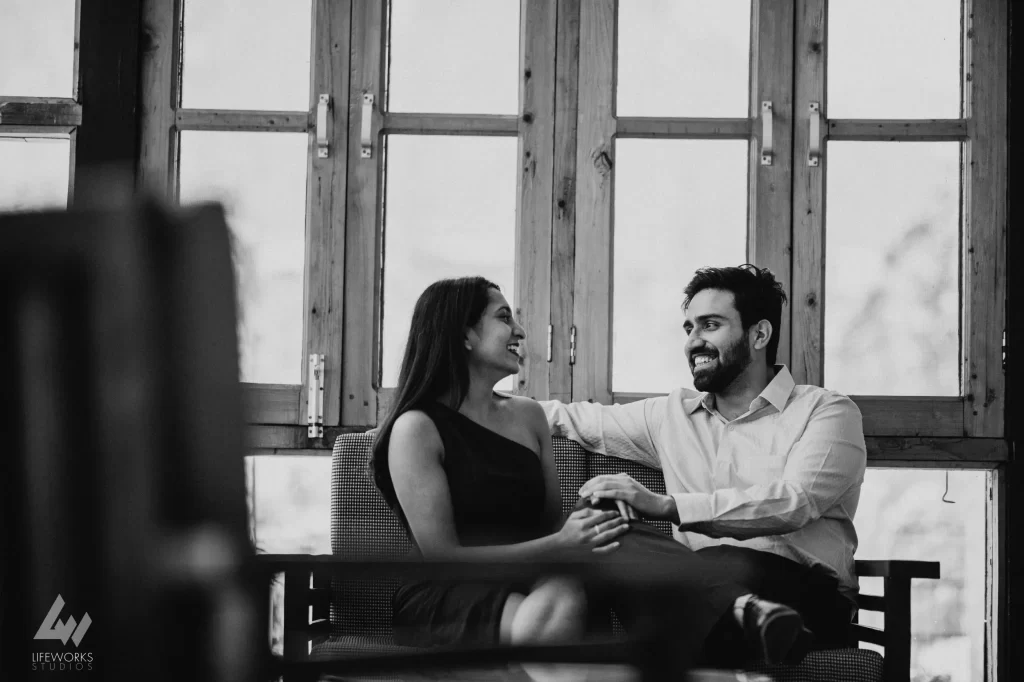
x=594, y=529
x=625, y=488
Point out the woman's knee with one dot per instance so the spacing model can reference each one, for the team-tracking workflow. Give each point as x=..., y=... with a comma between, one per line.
x=556, y=609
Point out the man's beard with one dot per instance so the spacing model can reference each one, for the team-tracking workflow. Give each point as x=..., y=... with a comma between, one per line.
x=732, y=360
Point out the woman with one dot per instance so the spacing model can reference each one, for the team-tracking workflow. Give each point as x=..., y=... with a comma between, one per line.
x=471, y=475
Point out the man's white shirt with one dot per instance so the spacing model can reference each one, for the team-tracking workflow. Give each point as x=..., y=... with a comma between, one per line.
x=784, y=477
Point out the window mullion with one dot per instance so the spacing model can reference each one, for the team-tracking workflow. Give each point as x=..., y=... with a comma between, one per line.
x=325, y=207
x=362, y=221
x=769, y=207
x=161, y=23
x=564, y=209
x=534, y=188
x=807, y=293
x=984, y=216
x=591, y=373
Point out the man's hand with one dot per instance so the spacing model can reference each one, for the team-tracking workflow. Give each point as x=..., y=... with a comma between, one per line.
x=624, y=487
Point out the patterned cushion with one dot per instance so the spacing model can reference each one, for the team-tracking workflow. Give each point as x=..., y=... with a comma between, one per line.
x=848, y=665
x=363, y=525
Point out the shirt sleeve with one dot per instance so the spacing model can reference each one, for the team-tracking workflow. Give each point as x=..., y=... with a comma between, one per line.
x=618, y=430
x=827, y=460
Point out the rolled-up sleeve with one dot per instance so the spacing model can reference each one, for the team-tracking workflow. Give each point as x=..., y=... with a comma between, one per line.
x=826, y=461
x=618, y=430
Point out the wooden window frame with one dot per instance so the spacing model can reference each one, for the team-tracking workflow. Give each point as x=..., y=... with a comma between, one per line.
x=982, y=130
x=365, y=401
x=163, y=118
x=49, y=116
x=768, y=205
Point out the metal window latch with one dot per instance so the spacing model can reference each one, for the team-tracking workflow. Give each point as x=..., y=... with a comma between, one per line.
x=315, y=397
x=814, y=134
x=366, y=143
x=572, y=345
x=322, y=146
x=767, y=144
x=1004, y=351
x=551, y=333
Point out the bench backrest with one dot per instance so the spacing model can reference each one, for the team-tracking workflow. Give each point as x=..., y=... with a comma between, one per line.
x=363, y=525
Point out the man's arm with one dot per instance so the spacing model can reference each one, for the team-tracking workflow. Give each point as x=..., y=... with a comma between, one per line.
x=618, y=430
x=823, y=465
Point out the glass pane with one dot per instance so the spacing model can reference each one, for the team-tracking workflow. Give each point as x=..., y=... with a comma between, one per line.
x=451, y=212
x=454, y=57
x=37, y=48
x=894, y=59
x=240, y=54
x=289, y=513
x=34, y=172
x=261, y=180
x=683, y=58
x=902, y=515
x=892, y=302
x=679, y=205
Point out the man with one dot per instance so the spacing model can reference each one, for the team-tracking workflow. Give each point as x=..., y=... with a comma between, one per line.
x=760, y=473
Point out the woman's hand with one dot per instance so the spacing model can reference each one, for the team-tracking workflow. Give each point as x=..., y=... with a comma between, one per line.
x=594, y=529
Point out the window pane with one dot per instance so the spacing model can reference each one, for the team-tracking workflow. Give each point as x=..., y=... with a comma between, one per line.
x=450, y=212
x=37, y=48
x=894, y=59
x=683, y=58
x=34, y=172
x=902, y=515
x=679, y=205
x=240, y=54
x=892, y=314
x=289, y=513
x=454, y=57
x=261, y=180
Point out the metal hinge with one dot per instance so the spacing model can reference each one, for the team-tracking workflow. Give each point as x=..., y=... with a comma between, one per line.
x=551, y=332
x=1004, y=351
x=315, y=401
x=572, y=345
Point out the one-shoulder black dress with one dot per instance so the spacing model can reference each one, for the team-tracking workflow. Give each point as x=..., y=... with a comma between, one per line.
x=498, y=498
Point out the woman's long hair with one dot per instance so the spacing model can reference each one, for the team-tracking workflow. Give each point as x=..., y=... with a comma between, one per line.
x=435, y=363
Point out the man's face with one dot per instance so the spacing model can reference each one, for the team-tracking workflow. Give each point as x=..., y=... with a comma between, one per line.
x=716, y=346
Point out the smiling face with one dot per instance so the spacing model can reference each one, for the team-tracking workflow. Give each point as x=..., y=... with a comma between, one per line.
x=717, y=347
x=494, y=342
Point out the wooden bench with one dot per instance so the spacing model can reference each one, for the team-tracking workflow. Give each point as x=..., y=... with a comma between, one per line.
x=327, y=618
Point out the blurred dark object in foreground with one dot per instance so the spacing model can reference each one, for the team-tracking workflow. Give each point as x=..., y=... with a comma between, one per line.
x=122, y=480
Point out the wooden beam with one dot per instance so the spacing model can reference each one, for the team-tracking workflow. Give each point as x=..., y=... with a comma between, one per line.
x=450, y=124
x=362, y=220
x=685, y=128
x=256, y=121
x=36, y=131
x=272, y=404
x=159, y=56
x=911, y=416
x=538, y=34
x=984, y=219
x=563, y=222
x=39, y=111
x=769, y=202
x=807, y=292
x=595, y=159
x=953, y=453
x=933, y=130
x=108, y=136
x=326, y=190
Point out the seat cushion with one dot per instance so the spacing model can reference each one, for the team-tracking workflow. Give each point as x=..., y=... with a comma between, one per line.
x=829, y=665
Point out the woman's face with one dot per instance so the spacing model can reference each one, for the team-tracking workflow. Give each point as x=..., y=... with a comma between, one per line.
x=494, y=341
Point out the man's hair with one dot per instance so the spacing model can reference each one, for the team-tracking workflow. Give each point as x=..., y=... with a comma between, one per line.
x=759, y=296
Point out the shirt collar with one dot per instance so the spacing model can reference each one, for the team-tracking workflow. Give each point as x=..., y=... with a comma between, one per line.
x=776, y=393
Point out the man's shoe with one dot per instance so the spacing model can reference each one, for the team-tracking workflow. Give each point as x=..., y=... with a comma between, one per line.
x=775, y=632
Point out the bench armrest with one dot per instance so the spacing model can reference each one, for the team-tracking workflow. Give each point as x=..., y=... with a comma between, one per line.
x=895, y=605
